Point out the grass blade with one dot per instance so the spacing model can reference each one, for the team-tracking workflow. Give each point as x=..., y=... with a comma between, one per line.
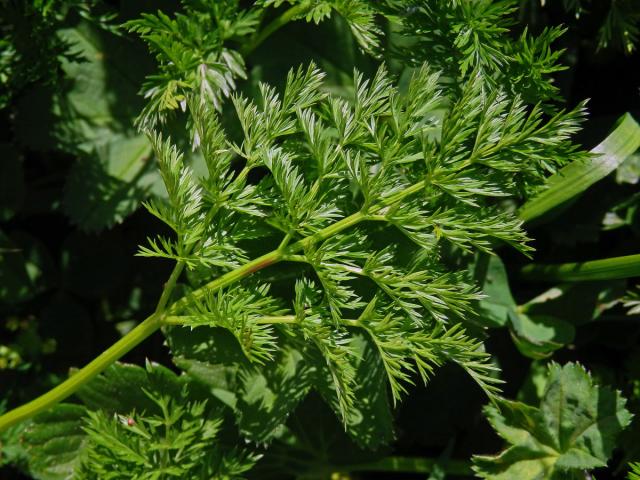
x=604, y=269
x=581, y=174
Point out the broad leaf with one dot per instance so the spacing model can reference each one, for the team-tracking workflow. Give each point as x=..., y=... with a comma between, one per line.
x=262, y=397
x=93, y=119
x=573, y=429
x=112, y=390
x=370, y=423
x=55, y=441
x=112, y=176
x=269, y=394
x=314, y=441
x=499, y=302
x=105, y=188
x=535, y=335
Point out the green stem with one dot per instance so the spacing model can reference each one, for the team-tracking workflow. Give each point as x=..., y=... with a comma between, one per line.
x=82, y=376
x=178, y=320
x=278, y=319
x=401, y=195
x=410, y=465
x=270, y=258
x=275, y=25
x=228, y=278
x=179, y=267
x=168, y=287
x=604, y=269
x=285, y=241
x=296, y=258
x=328, y=232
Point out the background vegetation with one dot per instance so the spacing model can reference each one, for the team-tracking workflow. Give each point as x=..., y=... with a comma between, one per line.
x=75, y=167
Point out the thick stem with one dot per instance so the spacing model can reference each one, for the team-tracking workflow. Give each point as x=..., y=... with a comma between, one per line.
x=82, y=376
x=228, y=278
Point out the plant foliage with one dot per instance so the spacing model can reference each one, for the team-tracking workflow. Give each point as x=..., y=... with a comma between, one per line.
x=573, y=429
x=327, y=186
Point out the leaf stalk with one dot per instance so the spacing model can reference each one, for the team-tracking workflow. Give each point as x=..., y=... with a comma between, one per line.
x=84, y=375
x=162, y=313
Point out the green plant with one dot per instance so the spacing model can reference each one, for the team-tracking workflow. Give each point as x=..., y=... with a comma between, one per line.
x=196, y=60
x=333, y=239
x=573, y=430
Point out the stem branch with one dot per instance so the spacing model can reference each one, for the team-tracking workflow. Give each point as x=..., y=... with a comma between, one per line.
x=193, y=320
x=162, y=314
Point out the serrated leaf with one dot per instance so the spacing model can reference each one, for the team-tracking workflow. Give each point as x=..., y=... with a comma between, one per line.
x=314, y=438
x=93, y=118
x=12, y=450
x=269, y=394
x=111, y=391
x=103, y=189
x=210, y=356
x=102, y=100
x=573, y=429
x=55, y=442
